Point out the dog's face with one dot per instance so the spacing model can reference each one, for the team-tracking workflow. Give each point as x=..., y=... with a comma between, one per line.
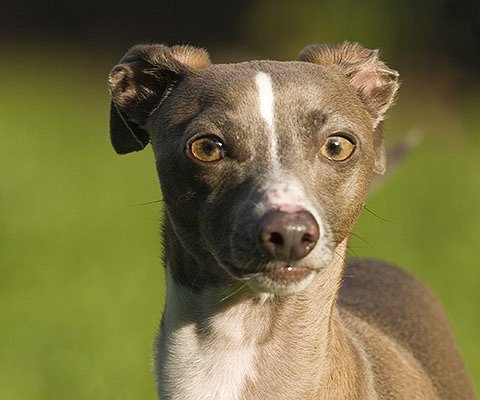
x=263, y=165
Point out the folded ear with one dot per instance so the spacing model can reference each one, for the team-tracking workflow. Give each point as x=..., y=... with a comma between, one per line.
x=375, y=83
x=140, y=83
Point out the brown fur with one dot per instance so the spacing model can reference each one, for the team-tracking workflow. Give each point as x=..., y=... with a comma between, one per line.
x=362, y=331
x=403, y=309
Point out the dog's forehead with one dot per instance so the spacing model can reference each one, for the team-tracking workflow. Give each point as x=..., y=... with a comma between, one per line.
x=289, y=88
x=274, y=99
x=289, y=79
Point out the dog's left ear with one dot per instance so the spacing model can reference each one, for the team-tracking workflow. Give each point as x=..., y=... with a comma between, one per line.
x=139, y=84
x=375, y=83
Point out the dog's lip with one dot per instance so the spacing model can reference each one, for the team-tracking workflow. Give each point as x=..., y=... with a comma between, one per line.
x=278, y=272
x=287, y=274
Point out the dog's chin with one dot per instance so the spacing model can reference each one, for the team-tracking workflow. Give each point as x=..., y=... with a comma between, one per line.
x=278, y=279
x=278, y=284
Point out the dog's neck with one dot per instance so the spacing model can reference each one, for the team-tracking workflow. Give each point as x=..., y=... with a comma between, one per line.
x=221, y=344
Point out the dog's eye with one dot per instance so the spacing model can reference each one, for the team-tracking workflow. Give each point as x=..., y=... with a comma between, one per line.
x=207, y=149
x=337, y=148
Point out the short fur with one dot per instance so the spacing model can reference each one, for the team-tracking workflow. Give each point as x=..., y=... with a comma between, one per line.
x=365, y=330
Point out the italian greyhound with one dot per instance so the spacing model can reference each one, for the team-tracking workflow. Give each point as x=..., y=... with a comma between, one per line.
x=264, y=167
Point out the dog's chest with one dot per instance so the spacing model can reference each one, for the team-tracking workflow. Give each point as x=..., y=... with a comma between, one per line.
x=215, y=361
x=205, y=370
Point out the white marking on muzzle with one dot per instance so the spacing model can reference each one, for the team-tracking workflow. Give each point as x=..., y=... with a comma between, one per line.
x=286, y=196
x=266, y=102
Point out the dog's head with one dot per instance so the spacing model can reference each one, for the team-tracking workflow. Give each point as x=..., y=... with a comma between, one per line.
x=264, y=165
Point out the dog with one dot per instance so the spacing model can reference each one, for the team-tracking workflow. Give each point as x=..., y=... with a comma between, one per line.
x=264, y=167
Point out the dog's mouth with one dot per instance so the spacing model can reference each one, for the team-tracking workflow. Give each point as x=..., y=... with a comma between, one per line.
x=273, y=276
x=287, y=274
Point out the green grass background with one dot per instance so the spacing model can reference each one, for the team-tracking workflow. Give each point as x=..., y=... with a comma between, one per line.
x=81, y=280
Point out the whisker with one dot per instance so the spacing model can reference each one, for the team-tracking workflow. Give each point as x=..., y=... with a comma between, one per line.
x=233, y=293
x=340, y=255
x=362, y=239
x=376, y=215
x=249, y=263
x=147, y=203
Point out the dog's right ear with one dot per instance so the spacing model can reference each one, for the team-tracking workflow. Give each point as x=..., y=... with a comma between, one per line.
x=139, y=84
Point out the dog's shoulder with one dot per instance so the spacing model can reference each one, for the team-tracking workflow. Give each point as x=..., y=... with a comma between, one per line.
x=381, y=291
x=393, y=300
x=401, y=306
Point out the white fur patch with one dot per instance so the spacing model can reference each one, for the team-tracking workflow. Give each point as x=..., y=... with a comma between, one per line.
x=207, y=370
x=201, y=365
x=266, y=101
x=265, y=96
x=286, y=196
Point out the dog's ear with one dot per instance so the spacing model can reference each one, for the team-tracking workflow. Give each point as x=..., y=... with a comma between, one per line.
x=140, y=83
x=375, y=83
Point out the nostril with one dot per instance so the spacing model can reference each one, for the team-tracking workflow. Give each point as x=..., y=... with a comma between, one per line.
x=308, y=239
x=276, y=238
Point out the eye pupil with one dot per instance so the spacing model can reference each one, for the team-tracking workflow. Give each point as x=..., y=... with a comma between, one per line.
x=334, y=147
x=207, y=147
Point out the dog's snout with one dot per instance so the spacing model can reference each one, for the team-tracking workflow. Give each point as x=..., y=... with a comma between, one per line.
x=288, y=236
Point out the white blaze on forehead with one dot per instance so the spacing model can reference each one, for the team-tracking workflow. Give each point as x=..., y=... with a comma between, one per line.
x=266, y=103
x=265, y=96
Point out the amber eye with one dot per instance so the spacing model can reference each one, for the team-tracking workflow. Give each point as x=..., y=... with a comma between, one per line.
x=207, y=149
x=337, y=148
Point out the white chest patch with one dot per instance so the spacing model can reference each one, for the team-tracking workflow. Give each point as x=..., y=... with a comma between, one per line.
x=198, y=365
x=208, y=371
x=266, y=102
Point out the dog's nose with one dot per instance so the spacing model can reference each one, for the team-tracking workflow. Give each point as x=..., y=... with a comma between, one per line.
x=288, y=236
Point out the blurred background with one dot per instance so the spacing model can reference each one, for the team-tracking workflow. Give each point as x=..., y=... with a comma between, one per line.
x=81, y=277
